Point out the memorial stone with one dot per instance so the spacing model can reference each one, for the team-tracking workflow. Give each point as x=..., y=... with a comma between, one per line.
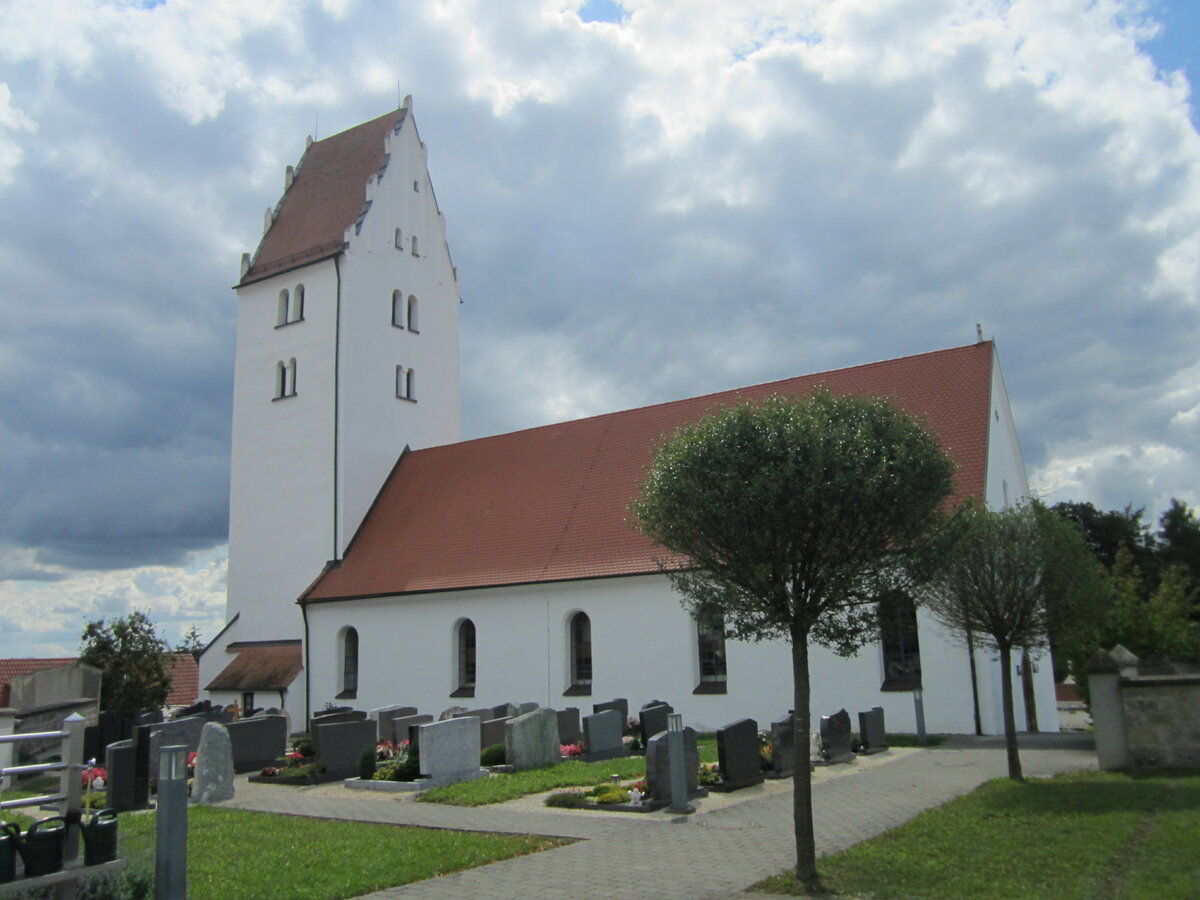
x=121, y=764
x=450, y=750
x=621, y=706
x=214, y=765
x=527, y=707
x=568, y=725
x=505, y=711
x=185, y=732
x=404, y=727
x=835, y=737
x=783, y=748
x=531, y=739
x=149, y=717
x=738, y=755
x=658, y=766
x=481, y=714
x=602, y=736
x=450, y=712
x=653, y=719
x=384, y=715
x=192, y=710
x=870, y=728
x=332, y=711
x=337, y=718
x=256, y=742
x=141, y=764
x=342, y=745
x=491, y=732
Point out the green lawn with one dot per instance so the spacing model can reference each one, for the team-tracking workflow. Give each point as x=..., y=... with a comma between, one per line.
x=1079, y=836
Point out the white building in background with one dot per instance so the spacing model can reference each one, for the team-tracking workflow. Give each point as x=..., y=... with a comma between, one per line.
x=430, y=570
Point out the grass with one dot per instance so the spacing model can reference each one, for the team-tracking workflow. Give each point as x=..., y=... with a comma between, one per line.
x=1079, y=836
x=910, y=740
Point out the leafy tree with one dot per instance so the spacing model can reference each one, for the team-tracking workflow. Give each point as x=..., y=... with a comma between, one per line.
x=788, y=519
x=1107, y=532
x=134, y=659
x=191, y=642
x=1179, y=540
x=995, y=578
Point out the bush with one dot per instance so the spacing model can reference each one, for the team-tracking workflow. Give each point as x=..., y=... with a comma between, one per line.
x=366, y=764
x=568, y=800
x=612, y=795
x=131, y=883
x=303, y=746
x=494, y=755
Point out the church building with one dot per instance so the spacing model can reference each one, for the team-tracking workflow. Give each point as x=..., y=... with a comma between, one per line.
x=374, y=558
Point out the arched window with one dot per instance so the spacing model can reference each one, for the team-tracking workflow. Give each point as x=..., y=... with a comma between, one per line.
x=281, y=314
x=710, y=648
x=297, y=304
x=412, y=314
x=398, y=309
x=290, y=380
x=280, y=380
x=898, y=638
x=414, y=246
x=405, y=384
x=399, y=239
x=581, y=653
x=349, y=660
x=464, y=655
x=411, y=386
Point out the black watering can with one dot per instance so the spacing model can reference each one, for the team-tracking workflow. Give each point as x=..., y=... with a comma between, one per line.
x=99, y=838
x=8, y=851
x=42, y=846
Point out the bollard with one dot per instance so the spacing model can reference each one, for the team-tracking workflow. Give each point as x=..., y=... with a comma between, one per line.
x=919, y=703
x=170, y=852
x=679, y=798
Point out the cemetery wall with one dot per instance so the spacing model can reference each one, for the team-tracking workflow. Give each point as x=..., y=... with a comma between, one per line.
x=1162, y=720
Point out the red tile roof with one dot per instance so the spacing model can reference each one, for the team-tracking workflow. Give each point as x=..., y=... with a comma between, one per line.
x=14, y=668
x=265, y=666
x=185, y=680
x=325, y=198
x=550, y=503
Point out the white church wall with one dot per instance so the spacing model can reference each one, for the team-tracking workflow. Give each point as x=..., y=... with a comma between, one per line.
x=643, y=647
x=1006, y=481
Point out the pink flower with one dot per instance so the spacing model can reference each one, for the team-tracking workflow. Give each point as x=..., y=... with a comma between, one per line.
x=571, y=750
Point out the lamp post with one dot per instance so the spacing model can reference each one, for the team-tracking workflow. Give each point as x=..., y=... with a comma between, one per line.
x=170, y=852
x=919, y=704
x=676, y=764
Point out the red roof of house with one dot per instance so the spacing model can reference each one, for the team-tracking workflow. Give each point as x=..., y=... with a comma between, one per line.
x=550, y=503
x=326, y=197
x=14, y=668
x=1066, y=692
x=260, y=666
x=185, y=680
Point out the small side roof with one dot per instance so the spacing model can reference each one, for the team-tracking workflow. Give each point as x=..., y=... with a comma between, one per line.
x=265, y=666
x=550, y=503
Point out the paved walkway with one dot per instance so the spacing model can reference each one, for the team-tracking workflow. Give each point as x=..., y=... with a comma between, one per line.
x=730, y=843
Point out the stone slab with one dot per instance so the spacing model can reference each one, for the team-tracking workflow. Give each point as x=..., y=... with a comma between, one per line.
x=738, y=754
x=602, y=733
x=450, y=749
x=531, y=740
x=214, y=765
x=257, y=742
x=342, y=744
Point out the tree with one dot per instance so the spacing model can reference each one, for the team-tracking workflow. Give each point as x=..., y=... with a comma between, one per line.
x=191, y=642
x=1107, y=532
x=134, y=659
x=997, y=573
x=1179, y=541
x=788, y=519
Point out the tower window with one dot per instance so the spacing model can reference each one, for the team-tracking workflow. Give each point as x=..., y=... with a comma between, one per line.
x=464, y=654
x=405, y=384
x=414, y=246
x=349, y=660
x=412, y=314
x=297, y=314
x=416, y=187
x=285, y=379
x=290, y=307
x=399, y=239
x=398, y=309
x=281, y=314
x=710, y=649
x=581, y=654
x=898, y=638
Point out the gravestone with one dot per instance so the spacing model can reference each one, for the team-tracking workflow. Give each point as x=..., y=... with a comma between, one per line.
x=120, y=761
x=450, y=712
x=332, y=711
x=505, y=711
x=404, y=727
x=197, y=707
x=256, y=742
x=141, y=765
x=384, y=714
x=214, y=765
x=527, y=707
x=602, y=736
x=870, y=728
x=783, y=748
x=621, y=706
x=531, y=739
x=652, y=719
x=568, y=725
x=342, y=745
x=185, y=732
x=492, y=732
x=111, y=726
x=658, y=766
x=835, y=737
x=339, y=718
x=450, y=750
x=738, y=755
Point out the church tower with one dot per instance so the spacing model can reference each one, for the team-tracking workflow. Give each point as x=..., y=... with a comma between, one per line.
x=347, y=352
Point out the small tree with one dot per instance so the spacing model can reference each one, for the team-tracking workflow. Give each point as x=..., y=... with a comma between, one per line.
x=191, y=641
x=134, y=659
x=789, y=519
x=997, y=575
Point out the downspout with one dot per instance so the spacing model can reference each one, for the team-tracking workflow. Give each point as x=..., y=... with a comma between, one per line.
x=307, y=668
x=337, y=356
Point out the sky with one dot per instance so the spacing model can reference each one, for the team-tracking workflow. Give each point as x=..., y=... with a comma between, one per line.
x=645, y=201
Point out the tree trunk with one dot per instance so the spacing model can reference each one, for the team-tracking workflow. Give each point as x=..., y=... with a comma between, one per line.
x=806, y=845
x=1010, y=719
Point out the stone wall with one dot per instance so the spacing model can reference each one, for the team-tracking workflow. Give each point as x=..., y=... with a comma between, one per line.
x=1162, y=720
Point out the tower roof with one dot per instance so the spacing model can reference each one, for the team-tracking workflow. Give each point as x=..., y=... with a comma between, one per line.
x=550, y=503
x=324, y=199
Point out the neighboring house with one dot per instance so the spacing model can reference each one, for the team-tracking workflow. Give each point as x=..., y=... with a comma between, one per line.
x=185, y=680
x=505, y=568
x=15, y=668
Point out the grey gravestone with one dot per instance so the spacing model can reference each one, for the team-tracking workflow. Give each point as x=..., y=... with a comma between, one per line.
x=505, y=711
x=450, y=750
x=120, y=761
x=653, y=719
x=602, y=736
x=531, y=740
x=333, y=711
x=492, y=732
x=214, y=765
x=481, y=714
x=192, y=710
x=342, y=745
x=568, y=725
x=340, y=718
x=149, y=717
x=621, y=706
x=783, y=748
x=738, y=755
x=141, y=764
x=256, y=742
x=835, y=737
x=404, y=727
x=527, y=707
x=384, y=714
x=450, y=712
x=870, y=728
x=658, y=766
x=184, y=732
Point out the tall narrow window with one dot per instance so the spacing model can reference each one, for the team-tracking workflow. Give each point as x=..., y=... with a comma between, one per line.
x=281, y=313
x=413, y=323
x=581, y=655
x=297, y=313
x=290, y=380
x=710, y=648
x=399, y=239
x=280, y=380
x=465, y=656
x=405, y=384
x=414, y=246
x=899, y=641
x=398, y=309
x=349, y=664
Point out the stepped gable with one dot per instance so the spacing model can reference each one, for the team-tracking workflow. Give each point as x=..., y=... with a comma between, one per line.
x=550, y=503
x=325, y=198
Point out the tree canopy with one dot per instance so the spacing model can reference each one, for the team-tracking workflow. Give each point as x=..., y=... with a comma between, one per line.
x=134, y=659
x=790, y=518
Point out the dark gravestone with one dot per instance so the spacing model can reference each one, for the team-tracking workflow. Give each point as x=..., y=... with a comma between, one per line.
x=257, y=742
x=870, y=728
x=121, y=764
x=141, y=765
x=783, y=749
x=653, y=719
x=342, y=745
x=180, y=732
x=505, y=711
x=602, y=736
x=384, y=715
x=404, y=728
x=738, y=755
x=621, y=705
x=149, y=717
x=835, y=737
x=568, y=725
x=333, y=711
x=451, y=712
x=93, y=745
x=335, y=718
x=492, y=732
x=481, y=714
x=658, y=766
x=198, y=707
